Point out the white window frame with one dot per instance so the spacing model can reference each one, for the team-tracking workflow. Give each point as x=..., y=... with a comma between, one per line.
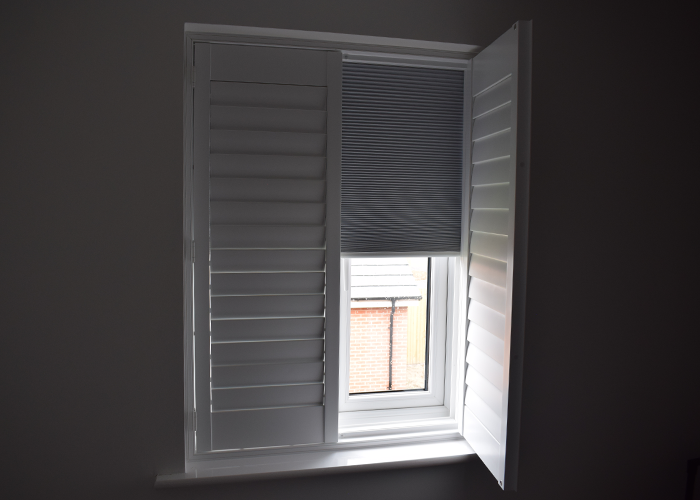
x=440, y=406
x=434, y=395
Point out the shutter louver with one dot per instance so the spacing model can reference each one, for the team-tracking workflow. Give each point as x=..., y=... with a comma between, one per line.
x=263, y=160
x=497, y=251
x=401, y=159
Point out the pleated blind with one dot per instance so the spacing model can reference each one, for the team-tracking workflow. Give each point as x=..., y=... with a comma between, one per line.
x=498, y=203
x=401, y=159
x=260, y=230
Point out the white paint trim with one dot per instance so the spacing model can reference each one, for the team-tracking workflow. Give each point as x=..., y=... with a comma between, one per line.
x=338, y=40
x=416, y=453
x=352, y=56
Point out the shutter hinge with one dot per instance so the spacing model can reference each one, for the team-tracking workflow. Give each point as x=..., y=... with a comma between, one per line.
x=195, y=420
x=193, y=251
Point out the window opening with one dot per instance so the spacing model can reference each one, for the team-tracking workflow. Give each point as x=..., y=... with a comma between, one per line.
x=389, y=324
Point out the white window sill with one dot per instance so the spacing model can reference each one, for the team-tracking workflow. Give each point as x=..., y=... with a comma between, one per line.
x=372, y=453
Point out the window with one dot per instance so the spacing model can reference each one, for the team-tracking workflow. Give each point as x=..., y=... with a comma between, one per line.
x=263, y=267
x=382, y=321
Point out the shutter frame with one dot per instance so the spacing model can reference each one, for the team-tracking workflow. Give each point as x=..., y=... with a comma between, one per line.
x=261, y=344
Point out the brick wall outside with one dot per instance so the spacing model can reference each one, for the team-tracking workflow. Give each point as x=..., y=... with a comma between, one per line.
x=369, y=349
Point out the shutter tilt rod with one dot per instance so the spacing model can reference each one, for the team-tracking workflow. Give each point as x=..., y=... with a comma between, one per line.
x=391, y=337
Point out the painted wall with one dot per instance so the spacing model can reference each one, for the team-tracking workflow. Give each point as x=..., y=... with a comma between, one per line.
x=91, y=203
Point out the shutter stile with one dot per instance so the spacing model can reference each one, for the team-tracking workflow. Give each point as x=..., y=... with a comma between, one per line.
x=267, y=230
x=401, y=160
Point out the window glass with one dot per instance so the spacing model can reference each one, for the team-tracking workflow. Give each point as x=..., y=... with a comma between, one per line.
x=388, y=324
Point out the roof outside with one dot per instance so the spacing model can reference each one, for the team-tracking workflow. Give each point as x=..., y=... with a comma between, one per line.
x=383, y=279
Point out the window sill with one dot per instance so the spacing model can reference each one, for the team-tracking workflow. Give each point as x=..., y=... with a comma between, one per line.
x=416, y=451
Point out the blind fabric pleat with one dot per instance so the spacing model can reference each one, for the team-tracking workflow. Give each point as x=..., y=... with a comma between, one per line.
x=401, y=159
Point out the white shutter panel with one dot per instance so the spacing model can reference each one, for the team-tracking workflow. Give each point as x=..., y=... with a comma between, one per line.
x=266, y=225
x=498, y=250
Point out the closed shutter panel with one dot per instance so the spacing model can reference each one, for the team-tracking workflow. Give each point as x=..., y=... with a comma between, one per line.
x=497, y=248
x=267, y=246
x=402, y=159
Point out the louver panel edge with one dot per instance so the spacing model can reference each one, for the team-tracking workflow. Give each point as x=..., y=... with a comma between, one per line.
x=269, y=427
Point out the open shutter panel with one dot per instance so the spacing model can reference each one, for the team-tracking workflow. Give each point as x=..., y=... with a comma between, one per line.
x=497, y=248
x=263, y=264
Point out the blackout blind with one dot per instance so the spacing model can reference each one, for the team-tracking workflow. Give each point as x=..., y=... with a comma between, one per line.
x=401, y=159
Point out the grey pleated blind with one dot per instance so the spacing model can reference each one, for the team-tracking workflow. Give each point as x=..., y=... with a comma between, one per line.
x=264, y=208
x=401, y=159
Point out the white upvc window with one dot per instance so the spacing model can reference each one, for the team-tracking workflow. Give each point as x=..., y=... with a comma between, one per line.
x=433, y=392
x=267, y=298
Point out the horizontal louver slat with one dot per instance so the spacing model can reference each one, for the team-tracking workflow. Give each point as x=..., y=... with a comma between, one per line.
x=402, y=159
x=265, y=143
x=268, y=65
x=267, y=236
x=485, y=390
x=265, y=306
x=266, y=283
x=488, y=294
x=496, y=96
x=484, y=364
x=267, y=329
x=267, y=166
x=493, y=146
x=491, y=172
x=270, y=427
x=484, y=413
x=277, y=190
x=278, y=373
x=268, y=119
x=268, y=95
x=490, y=344
x=267, y=352
x=493, y=221
x=267, y=260
x=490, y=196
x=487, y=318
x=492, y=122
x=490, y=270
x=265, y=397
x=494, y=246
x=254, y=212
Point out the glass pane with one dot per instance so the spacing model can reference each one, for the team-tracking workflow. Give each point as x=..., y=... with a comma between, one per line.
x=388, y=318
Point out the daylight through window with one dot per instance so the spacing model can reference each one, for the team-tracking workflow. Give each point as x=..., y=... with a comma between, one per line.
x=388, y=324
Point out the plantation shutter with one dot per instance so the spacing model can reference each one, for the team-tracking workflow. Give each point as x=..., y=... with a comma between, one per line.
x=267, y=237
x=497, y=247
x=402, y=159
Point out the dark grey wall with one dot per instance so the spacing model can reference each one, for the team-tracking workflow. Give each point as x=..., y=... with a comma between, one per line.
x=91, y=189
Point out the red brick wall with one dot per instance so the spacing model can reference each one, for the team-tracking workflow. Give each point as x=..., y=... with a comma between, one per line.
x=369, y=349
